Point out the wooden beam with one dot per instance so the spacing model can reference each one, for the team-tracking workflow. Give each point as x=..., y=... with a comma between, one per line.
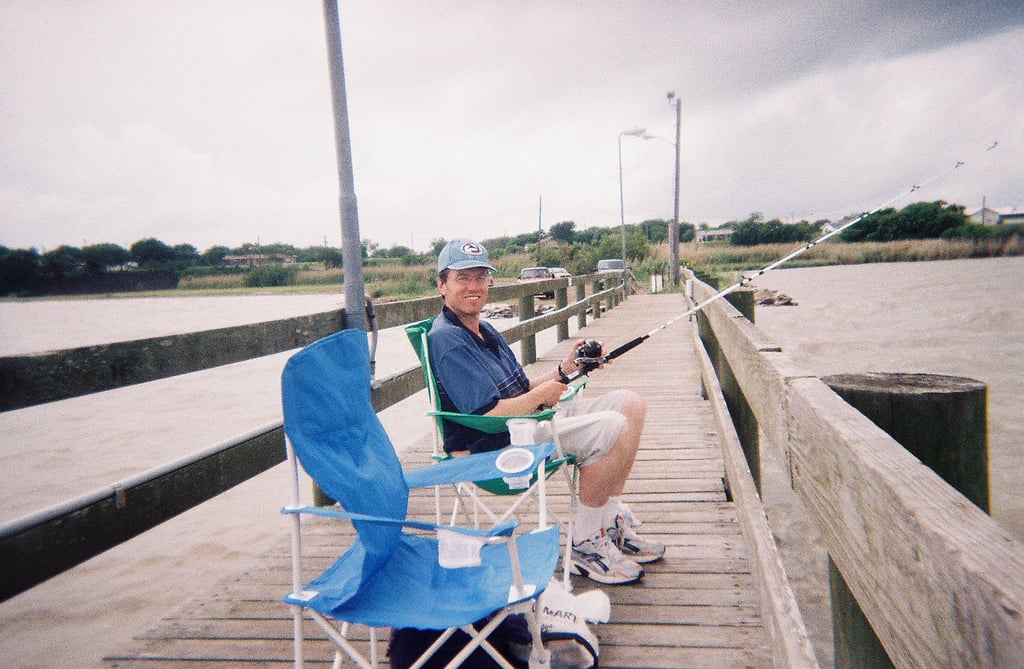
x=39, y=546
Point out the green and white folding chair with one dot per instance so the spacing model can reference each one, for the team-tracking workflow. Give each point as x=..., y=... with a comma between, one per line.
x=467, y=498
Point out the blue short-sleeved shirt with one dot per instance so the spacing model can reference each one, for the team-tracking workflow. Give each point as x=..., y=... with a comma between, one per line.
x=472, y=375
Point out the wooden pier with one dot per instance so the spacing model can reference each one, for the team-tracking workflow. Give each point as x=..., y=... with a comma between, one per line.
x=698, y=607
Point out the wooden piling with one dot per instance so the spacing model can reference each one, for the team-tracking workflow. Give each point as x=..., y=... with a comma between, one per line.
x=528, y=345
x=743, y=300
x=942, y=421
x=581, y=294
x=561, y=301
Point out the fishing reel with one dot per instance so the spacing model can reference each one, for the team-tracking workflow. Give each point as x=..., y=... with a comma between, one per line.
x=589, y=354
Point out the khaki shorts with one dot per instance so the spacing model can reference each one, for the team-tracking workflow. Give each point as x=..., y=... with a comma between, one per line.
x=588, y=427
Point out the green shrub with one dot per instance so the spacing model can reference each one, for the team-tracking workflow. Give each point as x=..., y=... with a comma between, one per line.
x=271, y=275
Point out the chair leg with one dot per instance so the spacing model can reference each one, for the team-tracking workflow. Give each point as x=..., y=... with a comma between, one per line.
x=340, y=639
x=571, y=480
x=433, y=648
x=478, y=639
x=298, y=635
x=540, y=657
x=373, y=647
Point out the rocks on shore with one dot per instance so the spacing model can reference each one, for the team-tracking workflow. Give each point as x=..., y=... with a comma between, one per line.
x=497, y=310
x=773, y=298
x=501, y=310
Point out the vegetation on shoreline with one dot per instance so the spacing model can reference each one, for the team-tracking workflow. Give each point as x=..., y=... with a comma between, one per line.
x=727, y=261
x=723, y=262
x=921, y=231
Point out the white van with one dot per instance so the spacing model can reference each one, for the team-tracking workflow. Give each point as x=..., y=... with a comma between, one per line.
x=616, y=265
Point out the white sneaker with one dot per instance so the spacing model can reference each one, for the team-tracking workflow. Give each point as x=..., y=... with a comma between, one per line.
x=628, y=514
x=600, y=560
x=632, y=545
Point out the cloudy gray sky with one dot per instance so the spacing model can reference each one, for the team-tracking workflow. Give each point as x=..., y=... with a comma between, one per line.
x=210, y=123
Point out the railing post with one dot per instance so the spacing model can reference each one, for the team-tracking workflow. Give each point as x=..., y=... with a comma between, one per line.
x=743, y=300
x=561, y=301
x=597, y=287
x=581, y=294
x=528, y=345
x=941, y=420
x=743, y=417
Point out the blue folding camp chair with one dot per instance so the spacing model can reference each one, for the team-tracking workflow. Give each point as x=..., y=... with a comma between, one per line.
x=393, y=576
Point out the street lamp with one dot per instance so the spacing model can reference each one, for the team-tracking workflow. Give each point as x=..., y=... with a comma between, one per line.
x=635, y=132
x=673, y=237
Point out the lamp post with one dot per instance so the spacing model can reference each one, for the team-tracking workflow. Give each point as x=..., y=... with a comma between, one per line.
x=635, y=132
x=673, y=237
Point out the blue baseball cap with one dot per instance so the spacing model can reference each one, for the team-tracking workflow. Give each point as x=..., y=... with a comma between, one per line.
x=462, y=254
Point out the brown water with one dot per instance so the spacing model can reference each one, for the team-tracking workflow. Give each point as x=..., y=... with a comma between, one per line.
x=957, y=317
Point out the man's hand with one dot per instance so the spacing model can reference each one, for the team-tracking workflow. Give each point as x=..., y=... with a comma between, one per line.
x=548, y=393
x=569, y=364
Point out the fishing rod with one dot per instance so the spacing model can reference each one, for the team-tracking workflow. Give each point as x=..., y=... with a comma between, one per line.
x=589, y=353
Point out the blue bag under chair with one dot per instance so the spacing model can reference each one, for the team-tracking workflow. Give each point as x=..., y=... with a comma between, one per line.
x=392, y=576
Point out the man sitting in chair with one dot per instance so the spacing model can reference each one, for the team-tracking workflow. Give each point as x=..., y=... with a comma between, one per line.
x=477, y=373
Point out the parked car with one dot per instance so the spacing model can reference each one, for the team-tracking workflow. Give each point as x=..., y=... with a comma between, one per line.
x=611, y=265
x=531, y=274
x=560, y=272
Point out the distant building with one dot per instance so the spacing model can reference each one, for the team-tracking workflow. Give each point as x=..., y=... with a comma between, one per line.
x=986, y=216
x=253, y=259
x=1012, y=218
x=714, y=235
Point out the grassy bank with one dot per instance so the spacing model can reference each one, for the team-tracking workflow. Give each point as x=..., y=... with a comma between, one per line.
x=725, y=260
x=384, y=280
x=395, y=281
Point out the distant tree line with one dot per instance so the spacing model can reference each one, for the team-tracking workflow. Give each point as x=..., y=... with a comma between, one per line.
x=25, y=270
x=921, y=220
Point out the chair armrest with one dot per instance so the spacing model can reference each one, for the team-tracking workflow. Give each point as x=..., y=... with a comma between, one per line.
x=503, y=529
x=496, y=424
x=488, y=424
x=476, y=467
x=574, y=390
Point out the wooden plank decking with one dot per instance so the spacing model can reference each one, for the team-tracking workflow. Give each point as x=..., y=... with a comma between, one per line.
x=696, y=608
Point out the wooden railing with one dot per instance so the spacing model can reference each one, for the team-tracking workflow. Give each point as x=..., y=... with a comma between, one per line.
x=941, y=584
x=43, y=544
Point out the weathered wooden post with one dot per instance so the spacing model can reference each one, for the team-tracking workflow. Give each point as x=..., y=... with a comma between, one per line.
x=742, y=414
x=581, y=294
x=941, y=420
x=528, y=344
x=743, y=300
x=561, y=301
x=596, y=287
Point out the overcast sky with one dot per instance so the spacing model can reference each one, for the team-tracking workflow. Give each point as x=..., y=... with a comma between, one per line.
x=210, y=122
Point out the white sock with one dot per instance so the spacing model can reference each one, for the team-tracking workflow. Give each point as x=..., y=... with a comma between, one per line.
x=588, y=521
x=611, y=511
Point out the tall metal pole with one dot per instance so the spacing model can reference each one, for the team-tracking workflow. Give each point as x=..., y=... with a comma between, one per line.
x=622, y=205
x=635, y=132
x=351, y=248
x=673, y=238
x=540, y=209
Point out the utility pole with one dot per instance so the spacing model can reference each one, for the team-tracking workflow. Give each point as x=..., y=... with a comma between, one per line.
x=351, y=246
x=673, y=236
x=540, y=209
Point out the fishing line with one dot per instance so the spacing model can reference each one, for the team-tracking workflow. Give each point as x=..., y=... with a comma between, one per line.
x=590, y=358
